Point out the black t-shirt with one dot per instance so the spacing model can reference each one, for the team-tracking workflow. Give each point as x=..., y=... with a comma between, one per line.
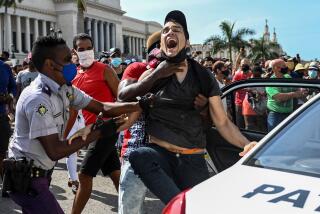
x=173, y=117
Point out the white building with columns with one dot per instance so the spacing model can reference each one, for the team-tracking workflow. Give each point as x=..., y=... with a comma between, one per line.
x=104, y=21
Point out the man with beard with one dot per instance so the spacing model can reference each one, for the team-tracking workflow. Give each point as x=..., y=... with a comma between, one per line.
x=174, y=158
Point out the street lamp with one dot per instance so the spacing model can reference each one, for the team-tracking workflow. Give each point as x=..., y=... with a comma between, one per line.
x=55, y=33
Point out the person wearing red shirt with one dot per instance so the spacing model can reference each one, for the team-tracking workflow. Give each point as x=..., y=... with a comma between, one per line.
x=100, y=82
x=242, y=74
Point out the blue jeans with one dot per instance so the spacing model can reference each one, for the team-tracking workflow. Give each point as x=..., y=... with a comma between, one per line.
x=165, y=173
x=132, y=191
x=274, y=118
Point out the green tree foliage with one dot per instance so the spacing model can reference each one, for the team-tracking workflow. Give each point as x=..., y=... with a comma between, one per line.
x=262, y=50
x=231, y=39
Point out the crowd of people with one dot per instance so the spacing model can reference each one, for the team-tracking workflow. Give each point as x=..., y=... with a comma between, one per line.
x=262, y=108
x=143, y=124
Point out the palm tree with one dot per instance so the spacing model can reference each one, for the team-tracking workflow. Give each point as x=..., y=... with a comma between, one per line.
x=231, y=39
x=82, y=5
x=7, y=4
x=263, y=50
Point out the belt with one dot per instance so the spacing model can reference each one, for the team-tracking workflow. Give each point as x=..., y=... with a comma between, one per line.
x=193, y=151
x=40, y=173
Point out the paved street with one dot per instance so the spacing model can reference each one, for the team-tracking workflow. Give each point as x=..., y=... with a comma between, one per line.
x=103, y=199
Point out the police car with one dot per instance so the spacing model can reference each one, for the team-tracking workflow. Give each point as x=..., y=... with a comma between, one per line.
x=280, y=175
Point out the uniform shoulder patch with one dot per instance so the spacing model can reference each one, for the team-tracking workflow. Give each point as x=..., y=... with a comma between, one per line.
x=70, y=96
x=42, y=109
x=45, y=89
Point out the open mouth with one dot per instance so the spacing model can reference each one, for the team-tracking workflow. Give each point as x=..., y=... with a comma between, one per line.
x=171, y=43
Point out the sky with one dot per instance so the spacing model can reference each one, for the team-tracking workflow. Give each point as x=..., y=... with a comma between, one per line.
x=297, y=22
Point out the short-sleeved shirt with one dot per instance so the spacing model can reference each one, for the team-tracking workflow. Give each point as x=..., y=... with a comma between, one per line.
x=134, y=71
x=280, y=107
x=240, y=94
x=7, y=83
x=25, y=77
x=93, y=83
x=42, y=110
x=173, y=117
x=135, y=136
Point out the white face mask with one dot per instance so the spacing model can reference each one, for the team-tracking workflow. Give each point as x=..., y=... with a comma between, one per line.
x=86, y=58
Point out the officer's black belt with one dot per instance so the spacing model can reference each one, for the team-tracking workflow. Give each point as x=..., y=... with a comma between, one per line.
x=40, y=173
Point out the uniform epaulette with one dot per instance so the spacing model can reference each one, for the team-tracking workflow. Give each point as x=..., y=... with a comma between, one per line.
x=45, y=89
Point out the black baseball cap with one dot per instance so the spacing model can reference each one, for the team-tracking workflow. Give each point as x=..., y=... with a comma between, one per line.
x=179, y=17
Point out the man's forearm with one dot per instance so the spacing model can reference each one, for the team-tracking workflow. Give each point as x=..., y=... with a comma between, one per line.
x=65, y=149
x=283, y=97
x=138, y=89
x=117, y=109
x=232, y=134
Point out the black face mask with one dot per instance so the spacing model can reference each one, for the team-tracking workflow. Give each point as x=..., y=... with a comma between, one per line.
x=284, y=70
x=180, y=57
x=226, y=72
x=245, y=68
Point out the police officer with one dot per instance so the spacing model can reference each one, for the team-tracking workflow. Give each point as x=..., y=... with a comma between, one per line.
x=41, y=114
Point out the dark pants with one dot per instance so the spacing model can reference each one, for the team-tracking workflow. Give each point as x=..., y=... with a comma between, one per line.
x=274, y=118
x=239, y=117
x=5, y=132
x=165, y=173
x=43, y=202
x=255, y=123
x=103, y=155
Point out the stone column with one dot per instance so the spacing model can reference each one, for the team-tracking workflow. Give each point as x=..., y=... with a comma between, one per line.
x=95, y=32
x=135, y=46
x=113, y=37
x=1, y=30
x=129, y=44
x=89, y=27
x=36, y=29
x=27, y=37
x=140, y=47
x=8, y=33
x=44, y=28
x=138, y=52
x=102, y=37
x=18, y=33
x=108, y=36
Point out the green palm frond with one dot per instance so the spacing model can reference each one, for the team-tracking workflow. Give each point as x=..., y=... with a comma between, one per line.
x=9, y=3
x=263, y=50
x=217, y=43
x=230, y=39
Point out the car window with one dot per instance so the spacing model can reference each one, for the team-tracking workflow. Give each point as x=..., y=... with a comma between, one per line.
x=261, y=109
x=296, y=148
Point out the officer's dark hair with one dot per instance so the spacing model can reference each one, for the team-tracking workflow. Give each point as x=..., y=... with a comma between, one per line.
x=81, y=36
x=44, y=48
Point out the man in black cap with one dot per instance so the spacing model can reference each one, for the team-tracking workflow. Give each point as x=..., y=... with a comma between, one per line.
x=174, y=159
